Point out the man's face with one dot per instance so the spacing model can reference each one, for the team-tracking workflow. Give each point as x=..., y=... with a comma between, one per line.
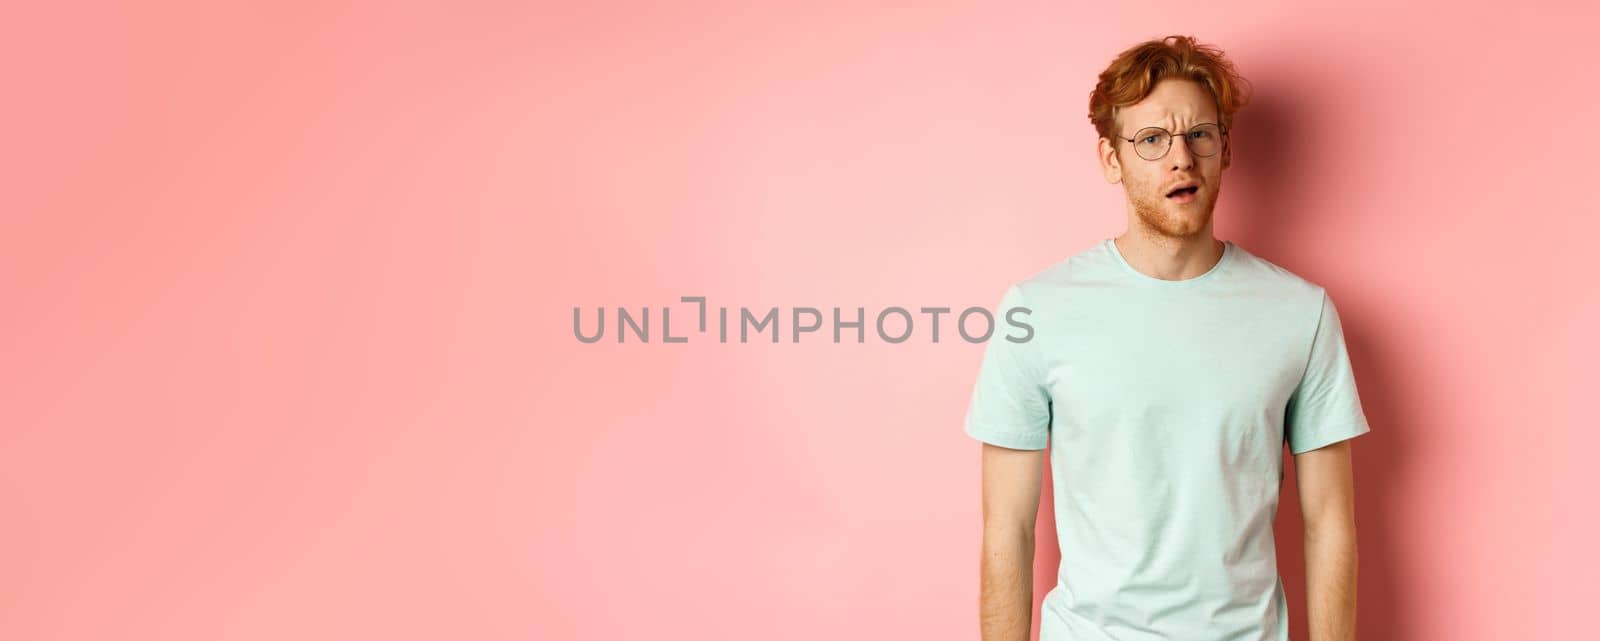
x=1175, y=105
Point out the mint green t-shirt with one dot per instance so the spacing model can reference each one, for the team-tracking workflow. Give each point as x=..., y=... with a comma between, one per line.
x=1166, y=405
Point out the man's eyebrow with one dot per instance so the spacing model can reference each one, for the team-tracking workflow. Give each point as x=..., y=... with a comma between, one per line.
x=1198, y=121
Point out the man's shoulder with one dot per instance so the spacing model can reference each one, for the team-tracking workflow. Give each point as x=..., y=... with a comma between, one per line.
x=1088, y=263
x=1251, y=266
x=1093, y=265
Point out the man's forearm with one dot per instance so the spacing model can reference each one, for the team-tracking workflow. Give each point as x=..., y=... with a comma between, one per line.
x=1005, y=599
x=1331, y=582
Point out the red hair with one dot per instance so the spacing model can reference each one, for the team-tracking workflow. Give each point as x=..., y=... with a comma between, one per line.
x=1135, y=72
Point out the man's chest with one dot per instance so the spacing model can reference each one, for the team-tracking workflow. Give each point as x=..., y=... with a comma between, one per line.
x=1172, y=363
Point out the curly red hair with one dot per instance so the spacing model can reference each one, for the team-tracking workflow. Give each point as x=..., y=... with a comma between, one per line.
x=1135, y=72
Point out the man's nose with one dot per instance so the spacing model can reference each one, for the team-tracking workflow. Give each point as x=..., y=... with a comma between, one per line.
x=1179, y=154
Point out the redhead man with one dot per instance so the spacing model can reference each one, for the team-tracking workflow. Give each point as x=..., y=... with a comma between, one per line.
x=1167, y=371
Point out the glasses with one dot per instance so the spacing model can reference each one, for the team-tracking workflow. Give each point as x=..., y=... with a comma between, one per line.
x=1153, y=143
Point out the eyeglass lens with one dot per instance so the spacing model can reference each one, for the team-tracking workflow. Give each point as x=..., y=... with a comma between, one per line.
x=1152, y=143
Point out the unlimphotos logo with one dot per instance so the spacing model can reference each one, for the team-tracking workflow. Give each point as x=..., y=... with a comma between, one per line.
x=891, y=324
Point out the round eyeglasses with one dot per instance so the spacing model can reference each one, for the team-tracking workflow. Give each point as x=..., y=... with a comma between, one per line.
x=1153, y=143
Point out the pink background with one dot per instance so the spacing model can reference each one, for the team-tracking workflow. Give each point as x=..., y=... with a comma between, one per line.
x=289, y=288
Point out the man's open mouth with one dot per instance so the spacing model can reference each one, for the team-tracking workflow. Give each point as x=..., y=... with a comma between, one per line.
x=1183, y=191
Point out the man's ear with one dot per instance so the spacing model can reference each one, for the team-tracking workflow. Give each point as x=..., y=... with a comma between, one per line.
x=1227, y=151
x=1110, y=164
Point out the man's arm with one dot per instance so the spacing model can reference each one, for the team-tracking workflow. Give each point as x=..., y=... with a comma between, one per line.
x=1327, y=503
x=1011, y=480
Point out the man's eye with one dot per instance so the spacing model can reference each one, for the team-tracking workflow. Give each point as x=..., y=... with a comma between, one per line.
x=1199, y=134
x=1148, y=140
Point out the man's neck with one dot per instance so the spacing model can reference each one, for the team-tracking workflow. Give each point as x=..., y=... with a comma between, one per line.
x=1169, y=258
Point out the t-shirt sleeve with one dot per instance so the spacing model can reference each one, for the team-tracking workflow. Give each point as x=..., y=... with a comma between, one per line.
x=1325, y=408
x=1010, y=404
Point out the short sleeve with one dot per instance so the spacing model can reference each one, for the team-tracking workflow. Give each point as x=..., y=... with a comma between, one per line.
x=1325, y=408
x=1010, y=404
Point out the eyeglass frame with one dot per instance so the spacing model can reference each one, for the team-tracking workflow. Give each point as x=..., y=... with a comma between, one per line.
x=1223, y=131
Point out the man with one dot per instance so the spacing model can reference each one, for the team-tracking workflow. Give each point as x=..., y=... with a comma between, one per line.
x=1166, y=372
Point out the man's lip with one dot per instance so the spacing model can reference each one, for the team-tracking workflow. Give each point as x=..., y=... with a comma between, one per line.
x=1183, y=185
